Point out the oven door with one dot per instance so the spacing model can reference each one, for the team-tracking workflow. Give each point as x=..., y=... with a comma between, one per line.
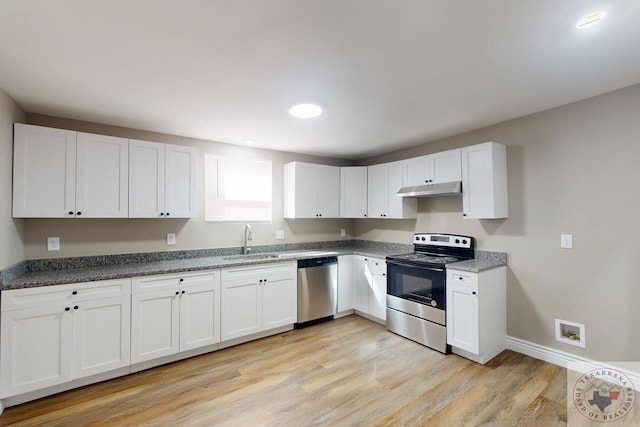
x=420, y=284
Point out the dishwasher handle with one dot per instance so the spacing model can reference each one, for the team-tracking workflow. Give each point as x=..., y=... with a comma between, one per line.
x=317, y=262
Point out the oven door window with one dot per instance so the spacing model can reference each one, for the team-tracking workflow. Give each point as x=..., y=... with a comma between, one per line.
x=424, y=285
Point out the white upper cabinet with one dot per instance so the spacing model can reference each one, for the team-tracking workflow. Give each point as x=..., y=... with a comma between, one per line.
x=102, y=176
x=384, y=181
x=433, y=168
x=59, y=174
x=311, y=191
x=44, y=172
x=161, y=180
x=353, y=192
x=484, y=181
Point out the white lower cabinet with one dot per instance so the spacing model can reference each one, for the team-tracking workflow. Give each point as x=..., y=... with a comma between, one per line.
x=346, y=285
x=476, y=313
x=173, y=313
x=54, y=334
x=258, y=298
x=371, y=286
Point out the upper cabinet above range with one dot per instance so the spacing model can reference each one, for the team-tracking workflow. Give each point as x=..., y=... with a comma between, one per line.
x=433, y=168
x=61, y=174
x=311, y=190
x=65, y=174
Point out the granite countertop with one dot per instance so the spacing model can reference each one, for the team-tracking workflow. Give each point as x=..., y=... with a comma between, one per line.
x=38, y=273
x=62, y=273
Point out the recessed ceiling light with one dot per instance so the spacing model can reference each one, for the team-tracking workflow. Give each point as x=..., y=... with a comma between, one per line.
x=305, y=111
x=250, y=142
x=590, y=19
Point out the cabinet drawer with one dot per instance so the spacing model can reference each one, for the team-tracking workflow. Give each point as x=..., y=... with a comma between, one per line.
x=262, y=270
x=36, y=297
x=168, y=281
x=378, y=266
x=461, y=279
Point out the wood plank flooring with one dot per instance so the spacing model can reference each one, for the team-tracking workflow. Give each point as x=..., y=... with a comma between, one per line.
x=348, y=372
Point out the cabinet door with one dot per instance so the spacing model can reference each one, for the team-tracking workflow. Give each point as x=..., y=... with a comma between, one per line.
x=279, y=301
x=346, y=285
x=101, y=335
x=395, y=204
x=462, y=317
x=146, y=179
x=102, y=176
x=484, y=181
x=35, y=349
x=44, y=172
x=155, y=325
x=353, y=192
x=199, y=315
x=180, y=181
x=377, y=191
x=241, y=308
x=363, y=284
x=378, y=289
x=417, y=171
x=327, y=191
x=446, y=166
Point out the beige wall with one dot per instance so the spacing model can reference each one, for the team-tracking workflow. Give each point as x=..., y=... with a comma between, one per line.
x=573, y=169
x=11, y=249
x=114, y=236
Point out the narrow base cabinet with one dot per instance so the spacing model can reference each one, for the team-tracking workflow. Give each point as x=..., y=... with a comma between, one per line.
x=371, y=288
x=346, y=288
x=55, y=334
x=477, y=313
x=173, y=313
x=258, y=298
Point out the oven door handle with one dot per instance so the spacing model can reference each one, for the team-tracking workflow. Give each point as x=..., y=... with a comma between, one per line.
x=400, y=264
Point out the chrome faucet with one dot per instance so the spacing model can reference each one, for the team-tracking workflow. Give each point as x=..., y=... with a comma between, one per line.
x=248, y=237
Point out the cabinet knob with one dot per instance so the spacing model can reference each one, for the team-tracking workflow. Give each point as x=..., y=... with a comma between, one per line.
x=75, y=307
x=474, y=292
x=78, y=213
x=265, y=280
x=183, y=292
x=365, y=214
x=70, y=212
x=460, y=278
x=260, y=280
x=181, y=280
x=67, y=309
x=168, y=214
x=464, y=214
x=161, y=213
x=384, y=274
x=177, y=292
x=74, y=293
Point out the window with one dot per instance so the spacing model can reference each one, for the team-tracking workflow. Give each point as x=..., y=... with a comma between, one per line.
x=237, y=190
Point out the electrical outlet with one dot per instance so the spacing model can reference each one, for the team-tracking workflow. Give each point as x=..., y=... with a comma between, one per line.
x=280, y=234
x=53, y=243
x=171, y=238
x=343, y=232
x=566, y=241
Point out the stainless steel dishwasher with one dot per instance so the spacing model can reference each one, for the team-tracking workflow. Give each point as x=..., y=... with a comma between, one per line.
x=317, y=290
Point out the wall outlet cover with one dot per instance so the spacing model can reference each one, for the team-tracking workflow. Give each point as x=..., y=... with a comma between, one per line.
x=280, y=234
x=566, y=241
x=171, y=238
x=53, y=243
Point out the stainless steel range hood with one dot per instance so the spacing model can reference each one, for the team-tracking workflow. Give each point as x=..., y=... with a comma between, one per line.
x=432, y=190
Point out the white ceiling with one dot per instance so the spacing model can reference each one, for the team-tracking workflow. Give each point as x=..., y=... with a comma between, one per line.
x=389, y=73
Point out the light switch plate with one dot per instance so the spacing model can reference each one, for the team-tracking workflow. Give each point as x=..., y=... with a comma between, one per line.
x=343, y=232
x=53, y=243
x=566, y=241
x=171, y=238
x=280, y=234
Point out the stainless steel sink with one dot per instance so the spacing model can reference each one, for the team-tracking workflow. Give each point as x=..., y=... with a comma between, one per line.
x=250, y=257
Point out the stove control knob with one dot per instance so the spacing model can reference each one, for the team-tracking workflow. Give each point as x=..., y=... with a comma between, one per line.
x=457, y=240
x=464, y=242
x=423, y=239
x=418, y=238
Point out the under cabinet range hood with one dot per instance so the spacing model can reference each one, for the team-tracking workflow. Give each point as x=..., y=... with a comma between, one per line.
x=432, y=190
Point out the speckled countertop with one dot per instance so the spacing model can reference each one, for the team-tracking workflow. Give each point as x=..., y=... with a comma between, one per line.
x=37, y=273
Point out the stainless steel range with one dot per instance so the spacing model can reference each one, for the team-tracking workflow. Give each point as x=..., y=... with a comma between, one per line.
x=416, y=287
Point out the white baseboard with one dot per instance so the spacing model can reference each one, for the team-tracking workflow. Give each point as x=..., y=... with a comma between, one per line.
x=576, y=363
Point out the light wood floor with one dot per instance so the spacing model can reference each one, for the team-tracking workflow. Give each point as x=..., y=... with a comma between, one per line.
x=348, y=372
